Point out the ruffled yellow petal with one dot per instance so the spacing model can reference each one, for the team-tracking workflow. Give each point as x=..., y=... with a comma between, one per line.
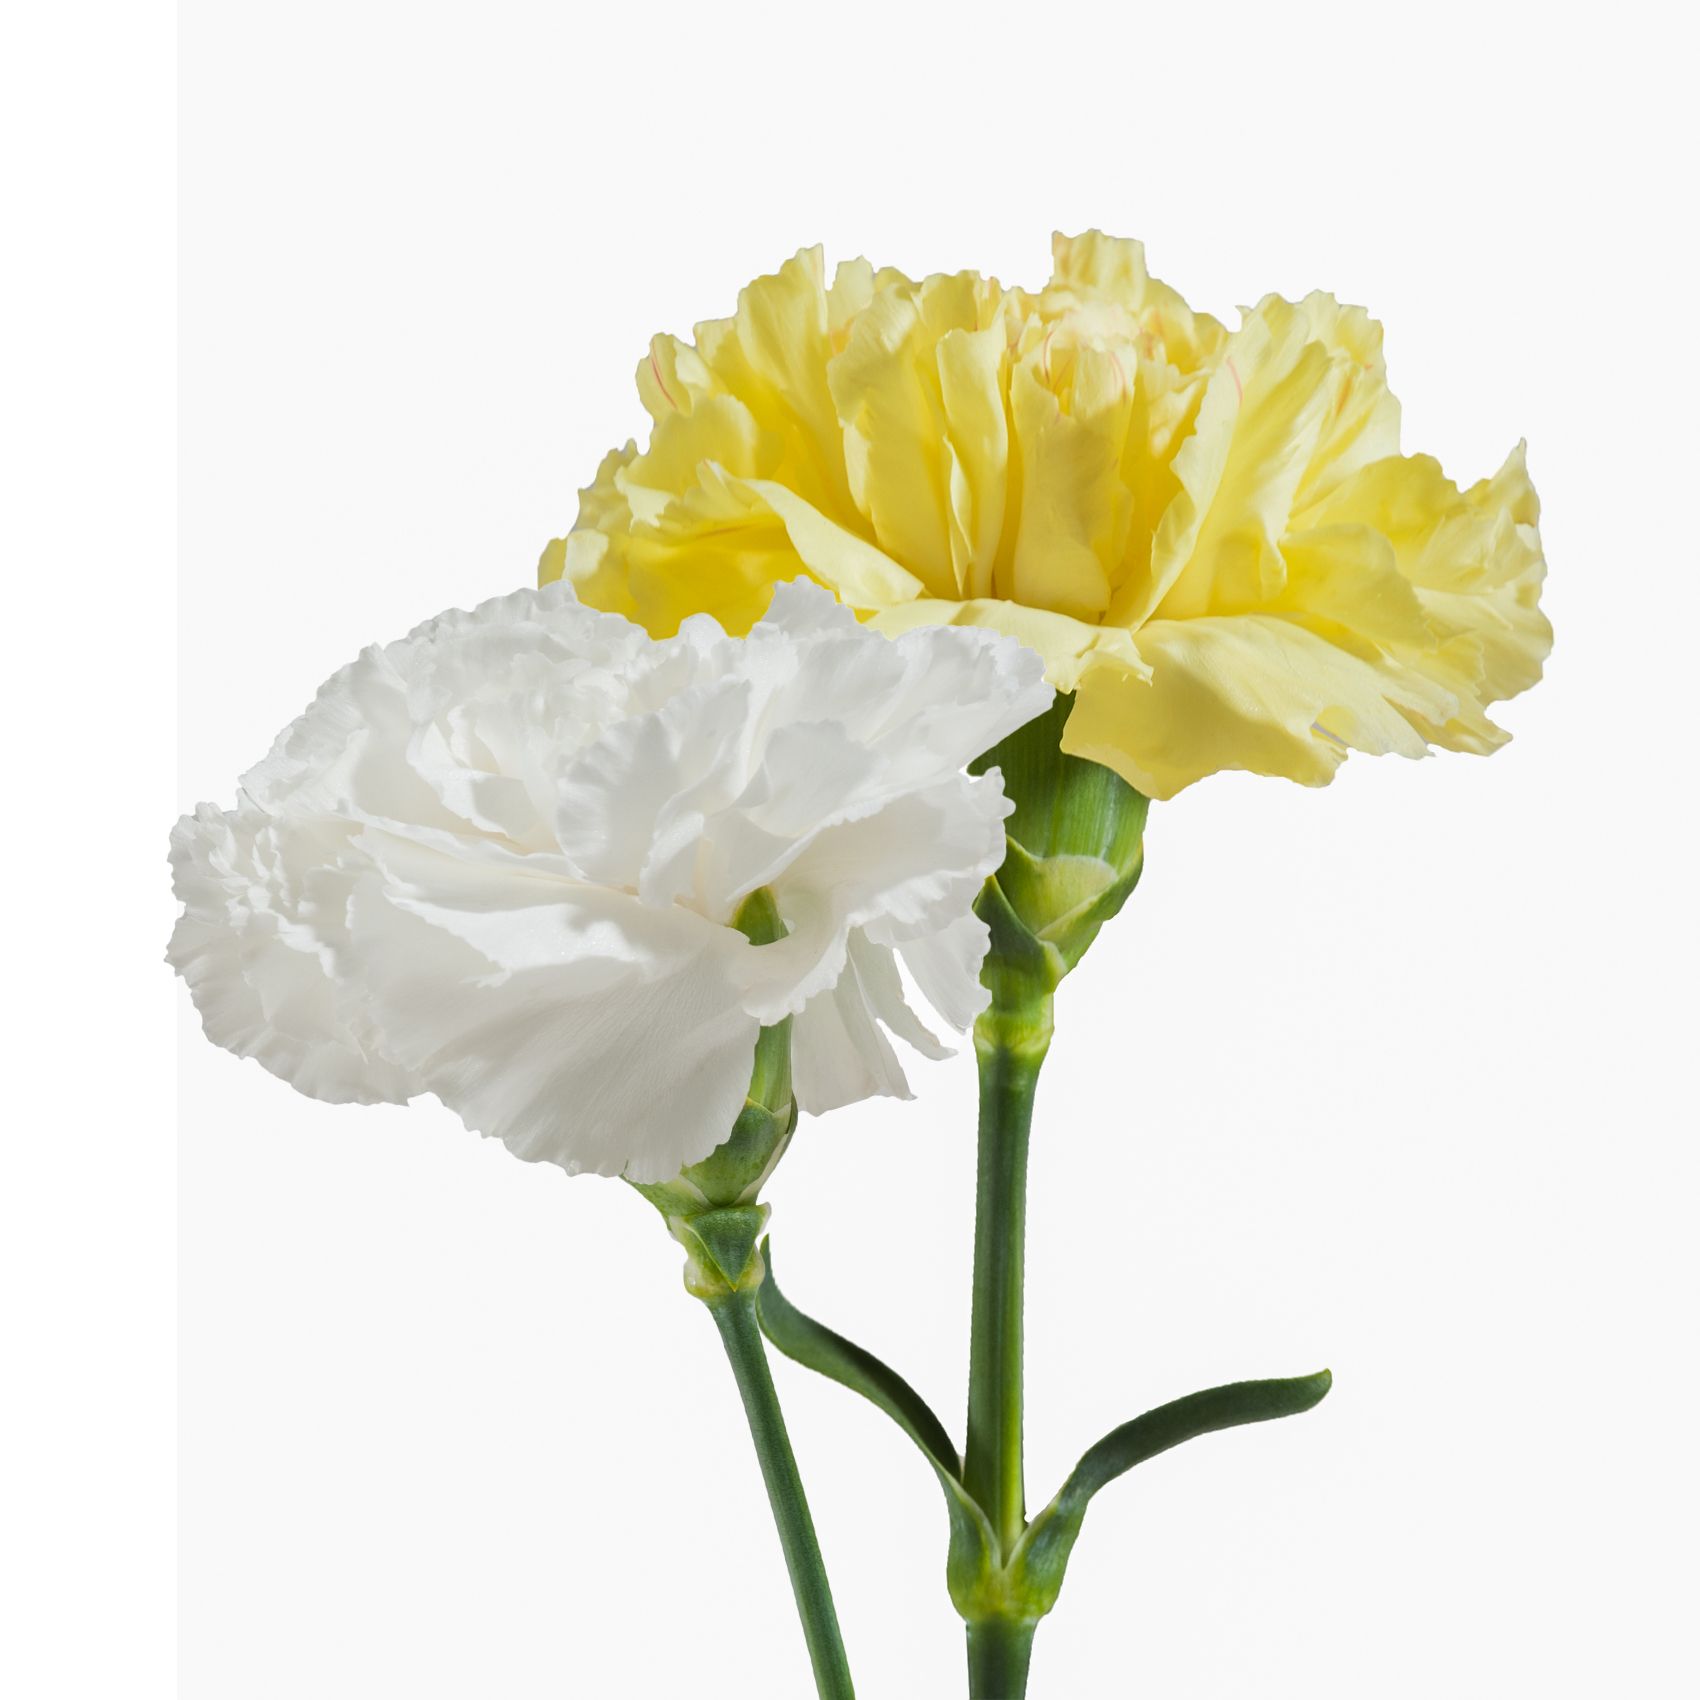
x=719, y=549
x=1213, y=540
x=1112, y=268
x=1218, y=547
x=714, y=551
x=720, y=430
x=1360, y=421
x=918, y=387
x=891, y=407
x=1100, y=264
x=772, y=355
x=1075, y=510
x=1473, y=559
x=1067, y=645
x=673, y=378
x=971, y=367
x=589, y=556
x=863, y=576
x=1251, y=692
x=1348, y=575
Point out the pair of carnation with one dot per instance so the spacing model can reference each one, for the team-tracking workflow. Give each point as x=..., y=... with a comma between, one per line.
x=500, y=860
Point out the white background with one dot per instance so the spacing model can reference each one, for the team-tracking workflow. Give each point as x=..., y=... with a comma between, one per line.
x=1394, y=1077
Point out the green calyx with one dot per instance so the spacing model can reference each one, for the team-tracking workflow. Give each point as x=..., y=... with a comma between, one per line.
x=722, y=1251
x=711, y=1207
x=1076, y=850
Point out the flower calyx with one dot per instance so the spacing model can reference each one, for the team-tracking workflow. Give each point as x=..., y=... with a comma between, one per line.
x=712, y=1208
x=1075, y=852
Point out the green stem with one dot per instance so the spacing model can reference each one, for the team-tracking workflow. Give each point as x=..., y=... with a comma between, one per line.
x=999, y=1649
x=1010, y=1040
x=992, y=1468
x=735, y=1316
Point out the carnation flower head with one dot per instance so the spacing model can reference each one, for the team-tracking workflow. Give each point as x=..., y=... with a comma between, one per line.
x=1211, y=537
x=500, y=861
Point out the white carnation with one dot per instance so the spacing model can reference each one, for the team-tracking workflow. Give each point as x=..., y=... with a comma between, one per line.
x=498, y=861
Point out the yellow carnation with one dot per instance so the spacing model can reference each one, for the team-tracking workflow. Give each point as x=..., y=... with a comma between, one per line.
x=1210, y=536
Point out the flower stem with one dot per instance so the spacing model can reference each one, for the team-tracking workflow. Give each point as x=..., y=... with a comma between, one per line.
x=992, y=1467
x=999, y=1649
x=735, y=1317
x=1010, y=1041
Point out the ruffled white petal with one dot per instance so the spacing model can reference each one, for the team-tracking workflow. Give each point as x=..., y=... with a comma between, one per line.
x=839, y=1055
x=262, y=912
x=946, y=967
x=499, y=861
x=910, y=870
x=579, y=1026
x=840, y=1052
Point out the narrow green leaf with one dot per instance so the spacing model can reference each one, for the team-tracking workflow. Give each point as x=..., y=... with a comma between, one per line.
x=971, y=1566
x=1185, y=1419
x=1042, y=1556
x=818, y=1348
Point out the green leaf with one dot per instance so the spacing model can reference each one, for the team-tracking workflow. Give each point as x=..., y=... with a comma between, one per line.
x=970, y=1568
x=1040, y=1559
x=813, y=1344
